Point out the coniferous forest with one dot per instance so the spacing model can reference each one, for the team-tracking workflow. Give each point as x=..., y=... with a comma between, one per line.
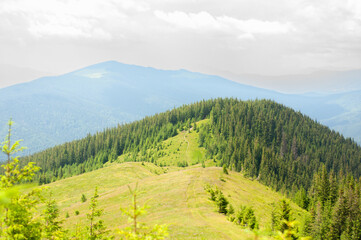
x=265, y=140
x=316, y=167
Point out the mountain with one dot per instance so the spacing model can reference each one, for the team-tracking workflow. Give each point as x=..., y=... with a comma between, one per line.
x=52, y=110
x=175, y=194
x=265, y=140
x=176, y=157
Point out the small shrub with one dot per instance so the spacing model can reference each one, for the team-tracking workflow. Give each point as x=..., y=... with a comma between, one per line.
x=246, y=218
x=182, y=164
x=212, y=192
x=136, y=230
x=221, y=203
x=83, y=198
x=225, y=171
x=76, y=212
x=230, y=209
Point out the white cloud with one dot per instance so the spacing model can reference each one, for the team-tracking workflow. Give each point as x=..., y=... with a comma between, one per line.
x=255, y=26
x=138, y=6
x=204, y=21
x=260, y=36
x=72, y=19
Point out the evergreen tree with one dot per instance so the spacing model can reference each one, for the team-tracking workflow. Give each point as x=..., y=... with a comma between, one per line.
x=83, y=198
x=18, y=220
x=96, y=228
x=52, y=226
x=138, y=230
x=246, y=218
x=221, y=202
x=281, y=215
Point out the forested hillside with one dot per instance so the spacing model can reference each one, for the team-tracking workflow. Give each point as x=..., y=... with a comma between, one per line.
x=265, y=140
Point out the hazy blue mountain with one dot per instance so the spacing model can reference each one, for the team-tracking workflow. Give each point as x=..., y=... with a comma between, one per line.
x=53, y=110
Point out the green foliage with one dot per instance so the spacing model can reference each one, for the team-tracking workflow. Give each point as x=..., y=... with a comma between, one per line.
x=14, y=173
x=281, y=215
x=52, y=226
x=301, y=198
x=182, y=164
x=83, y=198
x=18, y=220
x=218, y=198
x=225, y=171
x=76, y=212
x=262, y=139
x=290, y=232
x=284, y=223
x=96, y=228
x=265, y=140
x=230, y=210
x=334, y=206
x=246, y=218
x=221, y=202
x=213, y=192
x=139, y=230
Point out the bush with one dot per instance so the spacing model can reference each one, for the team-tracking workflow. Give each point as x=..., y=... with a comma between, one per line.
x=246, y=218
x=83, y=198
x=225, y=171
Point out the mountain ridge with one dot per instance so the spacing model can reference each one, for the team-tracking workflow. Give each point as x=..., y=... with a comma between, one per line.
x=53, y=110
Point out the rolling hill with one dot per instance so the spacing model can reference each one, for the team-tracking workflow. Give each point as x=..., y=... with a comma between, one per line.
x=264, y=140
x=176, y=154
x=175, y=195
x=53, y=110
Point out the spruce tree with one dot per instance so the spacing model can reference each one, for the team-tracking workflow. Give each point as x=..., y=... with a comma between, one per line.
x=52, y=226
x=96, y=228
x=18, y=220
x=138, y=230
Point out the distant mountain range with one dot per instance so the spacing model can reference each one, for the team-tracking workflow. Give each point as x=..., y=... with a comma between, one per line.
x=53, y=110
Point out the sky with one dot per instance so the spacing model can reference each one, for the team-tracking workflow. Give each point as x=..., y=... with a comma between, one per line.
x=227, y=38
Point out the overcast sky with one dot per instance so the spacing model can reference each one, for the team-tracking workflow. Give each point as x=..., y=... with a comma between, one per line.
x=228, y=38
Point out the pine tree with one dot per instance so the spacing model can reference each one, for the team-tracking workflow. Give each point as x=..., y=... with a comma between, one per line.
x=138, y=230
x=18, y=220
x=96, y=228
x=83, y=198
x=221, y=202
x=281, y=215
x=52, y=226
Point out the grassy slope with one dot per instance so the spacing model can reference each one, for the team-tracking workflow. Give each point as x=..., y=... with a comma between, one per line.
x=180, y=148
x=176, y=196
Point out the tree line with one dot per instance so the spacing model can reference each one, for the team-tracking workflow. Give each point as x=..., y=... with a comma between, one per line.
x=264, y=140
x=21, y=219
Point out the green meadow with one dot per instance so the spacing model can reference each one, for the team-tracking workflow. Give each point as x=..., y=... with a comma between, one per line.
x=175, y=195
